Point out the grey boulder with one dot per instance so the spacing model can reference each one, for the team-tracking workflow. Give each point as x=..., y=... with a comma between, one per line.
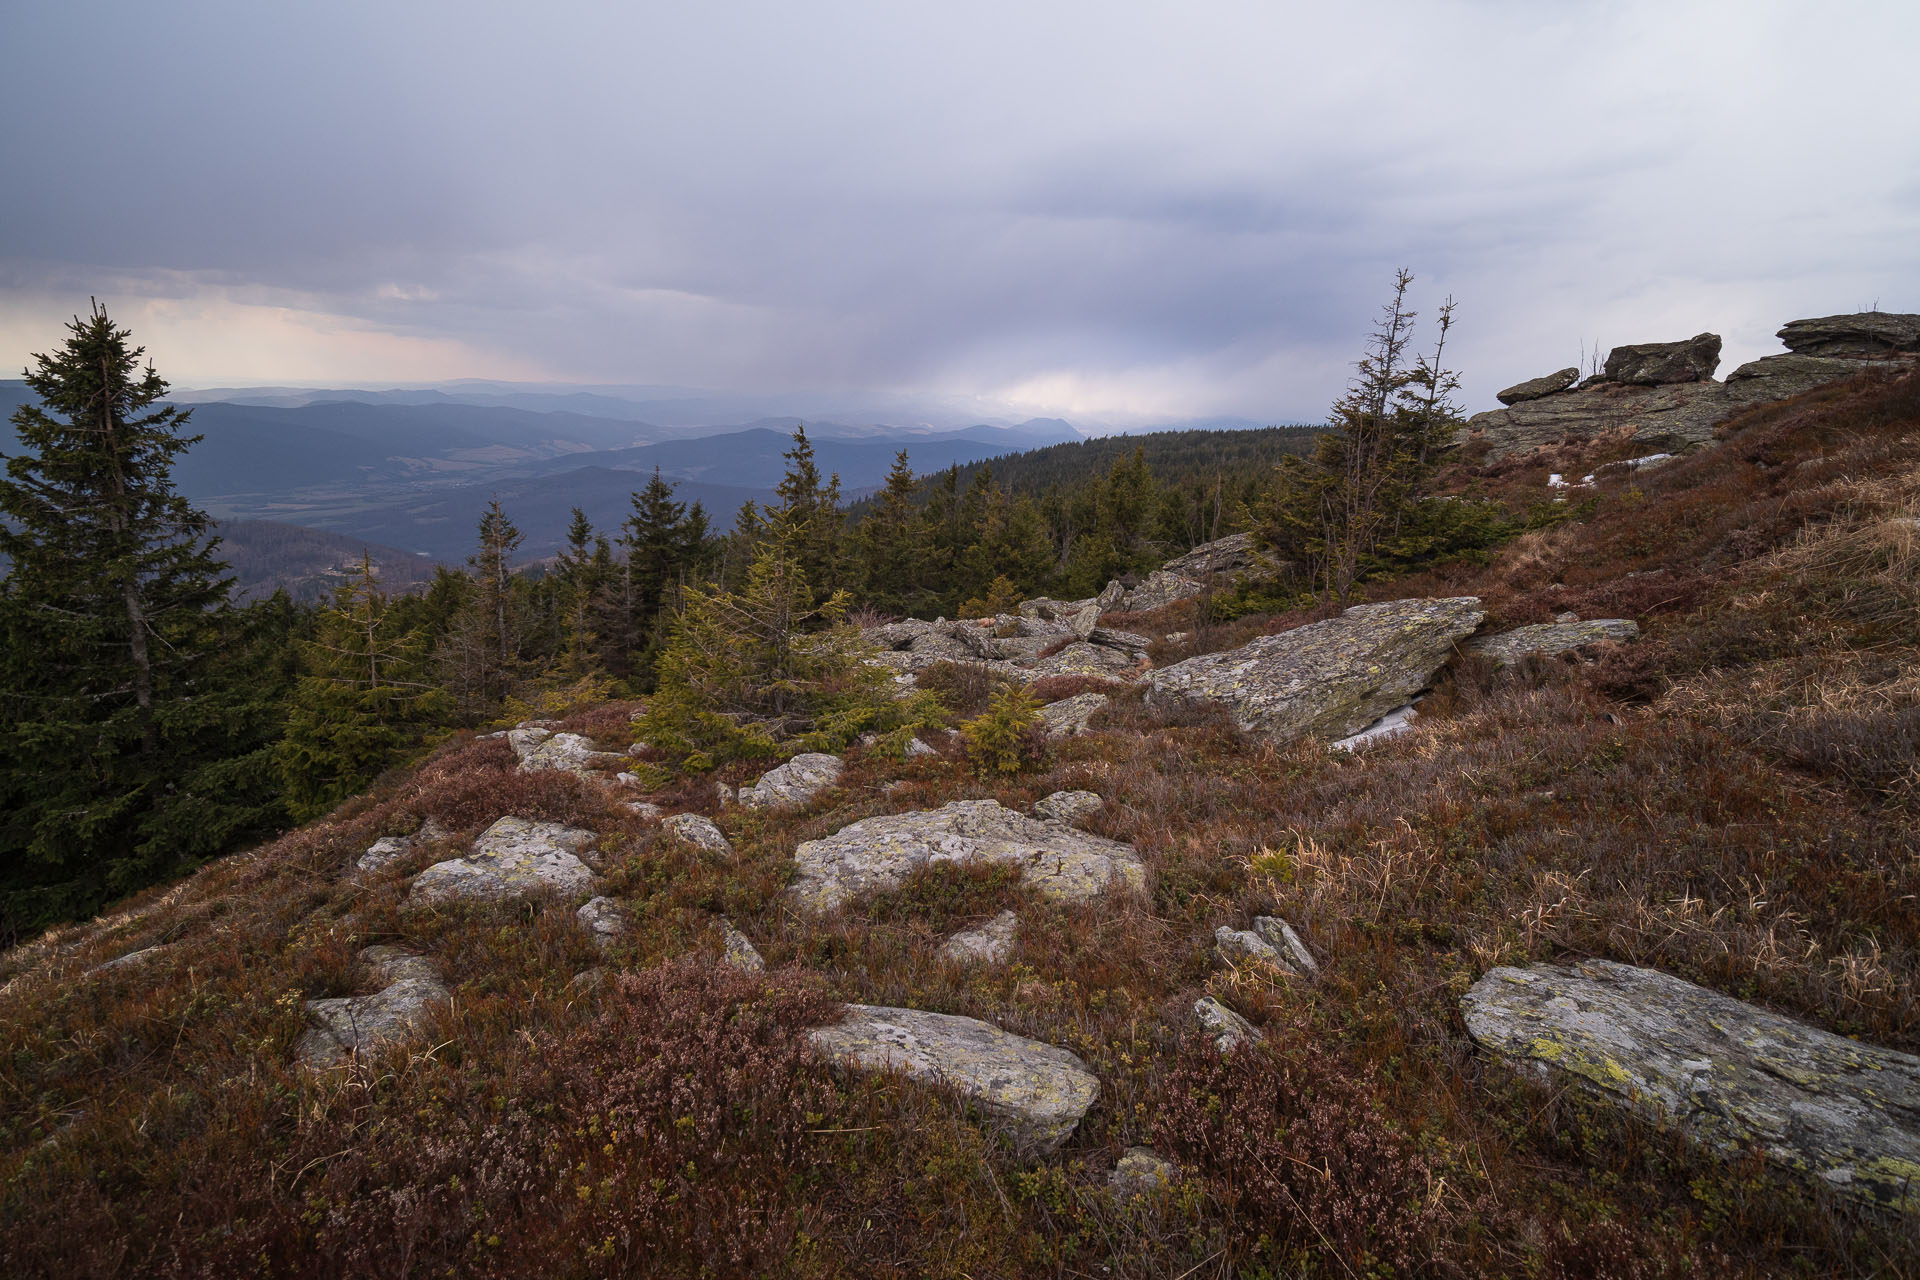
x=387, y=850
x=361, y=1026
x=737, y=950
x=991, y=943
x=1070, y=716
x=1864, y=333
x=1039, y=1090
x=1070, y=807
x=1332, y=678
x=1657, y=364
x=794, y=783
x=540, y=749
x=1729, y=1075
x=603, y=920
x=1228, y=1029
x=1547, y=639
x=880, y=853
x=698, y=831
x=1160, y=590
x=511, y=858
x=1537, y=388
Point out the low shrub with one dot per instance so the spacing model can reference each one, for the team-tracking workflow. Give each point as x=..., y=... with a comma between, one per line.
x=1008, y=737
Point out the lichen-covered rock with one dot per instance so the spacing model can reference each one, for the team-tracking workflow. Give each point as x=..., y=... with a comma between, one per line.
x=602, y=918
x=645, y=810
x=388, y=850
x=1070, y=807
x=1142, y=1171
x=1130, y=643
x=1280, y=936
x=737, y=950
x=991, y=943
x=1546, y=639
x=1864, y=333
x=1161, y=589
x=1083, y=659
x=1039, y=1089
x=879, y=853
x=1227, y=1028
x=1656, y=364
x=1728, y=1074
x=514, y=856
x=699, y=832
x=1332, y=678
x=539, y=749
x=794, y=783
x=1234, y=553
x=1236, y=947
x=1537, y=388
x=1069, y=716
x=359, y=1026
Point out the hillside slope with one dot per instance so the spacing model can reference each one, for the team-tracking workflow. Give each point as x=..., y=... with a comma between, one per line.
x=1729, y=800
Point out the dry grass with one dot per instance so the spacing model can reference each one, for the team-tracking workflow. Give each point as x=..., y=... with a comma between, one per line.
x=1729, y=800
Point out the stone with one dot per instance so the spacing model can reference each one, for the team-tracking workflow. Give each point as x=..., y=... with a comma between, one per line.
x=1729, y=1075
x=511, y=858
x=724, y=795
x=1069, y=806
x=1539, y=388
x=736, y=950
x=1235, y=947
x=1656, y=364
x=1864, y=333
x=700, y=832
x=1110, y=595
x=1228, y=1029
x=1777, y=377
x=1083, y=659
x=387, y=850
x=362, y=1026
x=1083, y=621
x=602, y=918
x=1394, y=724
x=991, y=943
x=1280, y=936
x=540, y=749
x=589, y=980
x=130, y=960
x=1332, y=678
x=1039, y=1090
x=1160, y=590
x=877, y=854
x=1546, y=639
x=794, y=783
x=1229, y=555
x=1131, y=643
x=1140, y=1172
x=1070, y=716
x=645, y=810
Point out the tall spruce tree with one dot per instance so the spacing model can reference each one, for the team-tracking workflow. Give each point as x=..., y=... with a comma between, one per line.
x=119, y=740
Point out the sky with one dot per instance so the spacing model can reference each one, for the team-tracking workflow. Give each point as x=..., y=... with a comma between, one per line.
x=1123, y=211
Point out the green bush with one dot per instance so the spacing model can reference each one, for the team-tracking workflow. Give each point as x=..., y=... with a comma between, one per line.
x=1007, y=738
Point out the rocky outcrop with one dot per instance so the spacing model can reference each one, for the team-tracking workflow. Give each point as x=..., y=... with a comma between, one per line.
x=1228, y=1029
x=1070, y=716
x=387, y=850
x=1233, y=554
x=1279, y=935
x=1870, y=334
x=698, y=831
x=1161, y=589
x=1070, y=807
x=1332, y=678
x=1659, y=364
x=1546, y=639
x=877, y=854
x=991, y=943
x=361, y=1026
x=1662, y=396
x=794, y=783
x=539, y=749
x=1730, y=1075
x=513, y=857
x=1083, y=659
x=603, y=920
x=1535, y=388
x=1041, y=1091
x=1236, y=947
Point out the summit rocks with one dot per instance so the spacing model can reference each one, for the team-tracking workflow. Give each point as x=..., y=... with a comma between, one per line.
x=1332, y=678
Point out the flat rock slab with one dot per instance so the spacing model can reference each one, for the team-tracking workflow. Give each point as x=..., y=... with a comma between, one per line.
x=513, y=857
x=1332, y=678
x=1536, y=388
x=879, y=853
x=1083, y=659
x=540, y=749
x=1547, y=639
x=359, y=1026
x=1069, y=716
x=1726, y=1073
x=1041, y=1090
x=794, y=783
x=991, y=943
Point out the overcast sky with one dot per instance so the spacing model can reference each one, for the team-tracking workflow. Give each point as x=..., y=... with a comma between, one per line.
x=1114, y=210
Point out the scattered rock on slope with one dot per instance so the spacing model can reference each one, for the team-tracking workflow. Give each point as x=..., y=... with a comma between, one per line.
x=699, y=832
x=879, y=853
x=388, y=850
x=512, y=857
x=1728, y=1074
x=1227, y=1028
x=738, y=950
x=603, y=919
x=794, y=783
x=1333, y=677
x=1547, y=639
x=1069, y=807
x=540, y=749
x=1070, y=716
x=1041, y=1090
x=362, y=1025
x=1238, y=946
x=991, y=943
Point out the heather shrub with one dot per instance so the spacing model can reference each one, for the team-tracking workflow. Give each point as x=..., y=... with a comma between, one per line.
x=1008, y=737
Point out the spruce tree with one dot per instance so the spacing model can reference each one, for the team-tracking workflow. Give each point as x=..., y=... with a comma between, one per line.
x=809, y=514
x=492, y=563
x=113, y=616
x=581, y=571
x=362, y=703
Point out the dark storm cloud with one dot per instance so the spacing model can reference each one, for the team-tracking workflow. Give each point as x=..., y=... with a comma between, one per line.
x=1109, y=210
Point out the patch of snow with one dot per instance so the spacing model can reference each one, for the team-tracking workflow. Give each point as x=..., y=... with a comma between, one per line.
x=1391, y=725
